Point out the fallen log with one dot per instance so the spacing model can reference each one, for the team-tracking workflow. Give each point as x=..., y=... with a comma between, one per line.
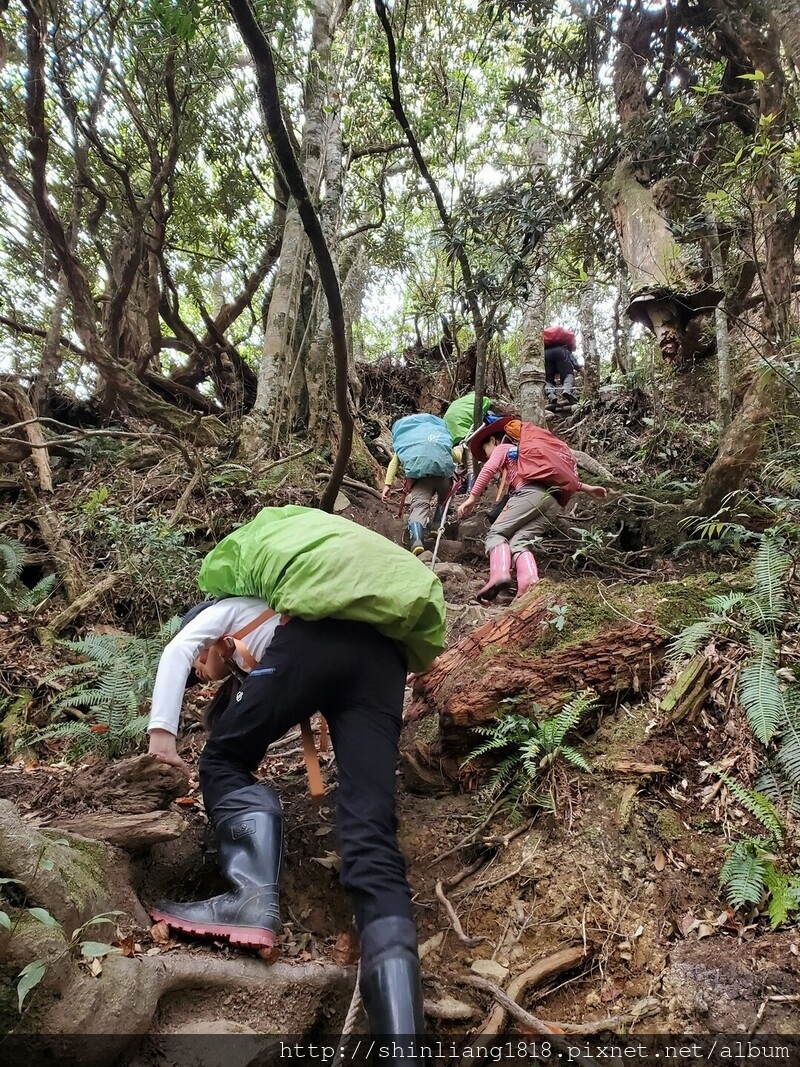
x=131, y=786
x=555, y=643
x=134, y=833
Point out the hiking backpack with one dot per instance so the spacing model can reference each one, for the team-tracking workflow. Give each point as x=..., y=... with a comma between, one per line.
x=558, y=335
x=424, y=446
x=458, y=417
x=312, y=565
x=544, y=458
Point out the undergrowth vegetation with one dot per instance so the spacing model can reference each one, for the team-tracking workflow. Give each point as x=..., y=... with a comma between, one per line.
x=529, y=750
x=15, y=596
x=758, y=626
x=103, y=707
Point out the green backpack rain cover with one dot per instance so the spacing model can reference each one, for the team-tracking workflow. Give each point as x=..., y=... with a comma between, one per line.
x=458, y=417
x=313, y=565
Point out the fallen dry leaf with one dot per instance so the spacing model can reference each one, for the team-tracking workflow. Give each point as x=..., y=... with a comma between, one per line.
x=346, y=951
x=160, y=933
x=126, y=945
x=660, y=860
x=95, y=967
x=330, y=860
x=613, y=991
x=271, y=954
x=687, y=923
x=186, y=802
x=99, y=728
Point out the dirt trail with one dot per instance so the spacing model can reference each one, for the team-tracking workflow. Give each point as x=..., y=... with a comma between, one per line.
x=626, y=872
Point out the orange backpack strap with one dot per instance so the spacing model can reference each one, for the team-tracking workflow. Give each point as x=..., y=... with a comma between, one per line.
x=315, y=783
x=245, y=630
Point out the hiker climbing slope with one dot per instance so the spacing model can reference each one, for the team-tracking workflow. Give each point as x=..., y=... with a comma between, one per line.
x=424, y=451
x=336, y=614
x=543, y=477
x=559, y=362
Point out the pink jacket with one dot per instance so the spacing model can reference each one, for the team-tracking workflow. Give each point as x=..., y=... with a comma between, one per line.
x=499, y=460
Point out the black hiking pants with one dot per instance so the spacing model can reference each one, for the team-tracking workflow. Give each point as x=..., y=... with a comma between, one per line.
x=356, y=677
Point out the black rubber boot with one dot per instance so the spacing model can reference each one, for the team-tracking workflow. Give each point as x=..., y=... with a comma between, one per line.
x=437, y=520
x=416, y=532
x=249, y=830
x=391, y=988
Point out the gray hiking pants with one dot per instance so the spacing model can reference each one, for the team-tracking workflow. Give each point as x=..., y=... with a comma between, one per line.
x=421, y=493
x=531, y=512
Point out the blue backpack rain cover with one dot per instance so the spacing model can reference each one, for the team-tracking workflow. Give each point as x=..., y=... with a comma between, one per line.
x=424, y=446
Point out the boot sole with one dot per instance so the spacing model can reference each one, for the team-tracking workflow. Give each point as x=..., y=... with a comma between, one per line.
x=237, y=935
x=487, y=595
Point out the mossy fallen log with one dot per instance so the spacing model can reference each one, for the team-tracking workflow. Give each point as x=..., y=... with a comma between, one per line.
x=560, y=640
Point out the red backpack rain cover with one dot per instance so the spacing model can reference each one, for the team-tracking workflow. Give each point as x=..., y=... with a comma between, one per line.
x=543, y=457
x=557, y=335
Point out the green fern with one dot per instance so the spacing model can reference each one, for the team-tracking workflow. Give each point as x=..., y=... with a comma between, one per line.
x=788, y=755
x=110, y=685
x=760, y=807
x=527, y=749
x=784, y=890
x=15, y=596
x=743, y=874
x=689, y=640
x=760, y=691
x=769, y=602
x=773, y=783
x=12, y=559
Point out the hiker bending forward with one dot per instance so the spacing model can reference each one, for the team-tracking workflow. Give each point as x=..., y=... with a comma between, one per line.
x=535, y=504
x=425, y=453
x=355, y=676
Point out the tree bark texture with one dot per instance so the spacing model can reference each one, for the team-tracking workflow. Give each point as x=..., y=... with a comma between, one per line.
x=724, y=388
x=516, y=655
x=591, y=365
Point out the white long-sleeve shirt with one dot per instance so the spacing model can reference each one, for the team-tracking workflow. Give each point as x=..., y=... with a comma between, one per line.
x=225, y=617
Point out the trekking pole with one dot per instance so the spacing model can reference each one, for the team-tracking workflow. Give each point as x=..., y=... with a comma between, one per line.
x=443, y=523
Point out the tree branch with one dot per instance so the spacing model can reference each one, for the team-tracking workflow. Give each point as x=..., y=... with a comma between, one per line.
x=260, y=50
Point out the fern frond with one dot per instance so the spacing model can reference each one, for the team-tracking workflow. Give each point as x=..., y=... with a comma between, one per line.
x=575, y=758
x=722, y=605
x=687, y=642
x=760, y=807
x=743, y=875
x=41, y=590
x=788, y=756
x=12, y=558
x=760, y=691
x=784, y=892
x=571, y=714
x=769, y=569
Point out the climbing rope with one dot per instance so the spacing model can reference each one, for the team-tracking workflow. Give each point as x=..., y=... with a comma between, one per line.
x=349, y=1021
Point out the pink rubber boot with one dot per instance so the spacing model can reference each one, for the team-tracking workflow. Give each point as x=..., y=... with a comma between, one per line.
x=499, y=572
x=527, y=572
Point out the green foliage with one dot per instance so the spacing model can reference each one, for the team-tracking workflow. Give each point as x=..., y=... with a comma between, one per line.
x=109, y=687
x=527, y=750
x=743, y=875
x=160, y=564
x=761, y=808
x=32, y=974
x=760, y=690
x=15, y=596
x=757, y=619
x=752, y=868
